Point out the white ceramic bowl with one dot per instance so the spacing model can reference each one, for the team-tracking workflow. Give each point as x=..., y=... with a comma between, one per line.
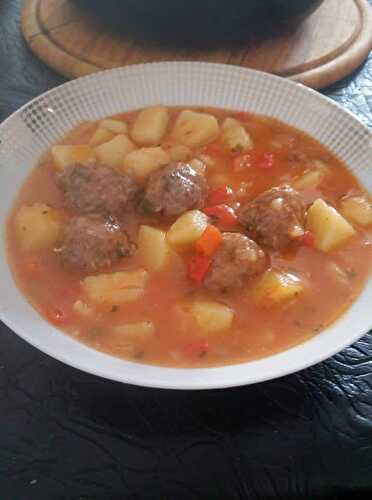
x=32, y=129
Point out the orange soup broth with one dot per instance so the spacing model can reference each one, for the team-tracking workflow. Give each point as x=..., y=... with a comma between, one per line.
x=257, y=331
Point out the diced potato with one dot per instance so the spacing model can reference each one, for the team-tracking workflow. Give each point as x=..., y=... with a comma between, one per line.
x=114, y=126
x=112, y=153
x=67, y=155
x=142, y=162
x=330, y=229
x=310, y=180
x=187, y=228
x=282, y=140
x=116, y=288
x=131, y=338
x=179, y=153
x=195, y=129
x=100, y=136
x=234, y=136
x=357, y=209
x=139, y=331
x=37, y=226
x=321, y=165
x=83, y=309
x=198, y=166
x=150, y=126
x=212, y=317
x=153, y=246
x=275, y=287
x=208, y=160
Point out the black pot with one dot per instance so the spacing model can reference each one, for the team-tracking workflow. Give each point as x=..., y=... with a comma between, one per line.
x=198, y=23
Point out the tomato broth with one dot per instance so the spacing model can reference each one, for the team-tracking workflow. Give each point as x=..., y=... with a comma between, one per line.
x=165, y=327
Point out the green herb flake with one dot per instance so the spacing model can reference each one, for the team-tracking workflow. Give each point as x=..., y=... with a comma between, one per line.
x=239, y=148
x=147, y=208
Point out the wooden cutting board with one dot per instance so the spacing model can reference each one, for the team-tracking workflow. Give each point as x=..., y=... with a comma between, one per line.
x=326, y=47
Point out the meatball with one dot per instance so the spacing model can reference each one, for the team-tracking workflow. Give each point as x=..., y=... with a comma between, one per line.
x=97, y=189
x=276, y=218
x=92, y=242
x=237, y=259
x=174, y=189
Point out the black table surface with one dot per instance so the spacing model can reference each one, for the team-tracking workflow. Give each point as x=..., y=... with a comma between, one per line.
x=67, y=435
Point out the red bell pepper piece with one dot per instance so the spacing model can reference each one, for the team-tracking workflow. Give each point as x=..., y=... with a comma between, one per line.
x=308, y=239
x=222, y=216
x=197, y=348
x=198, y=267
x=219, y=195
x=243, y=116
x=209, y=241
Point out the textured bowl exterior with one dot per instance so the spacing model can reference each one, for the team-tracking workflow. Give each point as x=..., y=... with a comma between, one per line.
x=31, y=130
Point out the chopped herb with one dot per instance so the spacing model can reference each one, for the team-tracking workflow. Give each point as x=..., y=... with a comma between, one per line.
x=297, y=323
x=213, y=219
x=139, y=354
x=122, y=252
x=203, y=354
x=238, y=148
x=147, y=208
x=45, y=212
x=114, y=308
x=318, y=328
x=351, y=274
x=94, y=332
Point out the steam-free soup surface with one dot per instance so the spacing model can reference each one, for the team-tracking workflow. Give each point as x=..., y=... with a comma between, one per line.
x=193, y=237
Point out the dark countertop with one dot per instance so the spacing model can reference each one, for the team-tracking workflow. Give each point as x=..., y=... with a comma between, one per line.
x=66, y=435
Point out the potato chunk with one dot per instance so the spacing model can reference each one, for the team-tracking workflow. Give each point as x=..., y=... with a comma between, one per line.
x=83, y=309
x=275, y=287
x=198, y=165
x=179, y=153
x=187, y=228
x=212, y=317
x=357, y=209
x=153, y=246
x=309, y=180
x=112, y=153
x=195, y=129
x=234, y=136
x=142, y=162
x=37, y=226
x=114, y=126
x=100, y=136
x=67, y=155
x=150, y=126
x=139, y=331
x=330, y=229
x=132, y=338
x=116, y=288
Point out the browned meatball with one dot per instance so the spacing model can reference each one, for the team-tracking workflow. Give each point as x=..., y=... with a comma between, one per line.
x=276, y=218
x=174, y=189
x=92, y=242
x=97, y=189
x=237, y=259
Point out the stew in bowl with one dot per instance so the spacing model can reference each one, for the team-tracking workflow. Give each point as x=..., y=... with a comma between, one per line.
x=190, y=236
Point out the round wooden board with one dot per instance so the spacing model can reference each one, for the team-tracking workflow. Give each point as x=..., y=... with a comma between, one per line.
x=325, y=48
